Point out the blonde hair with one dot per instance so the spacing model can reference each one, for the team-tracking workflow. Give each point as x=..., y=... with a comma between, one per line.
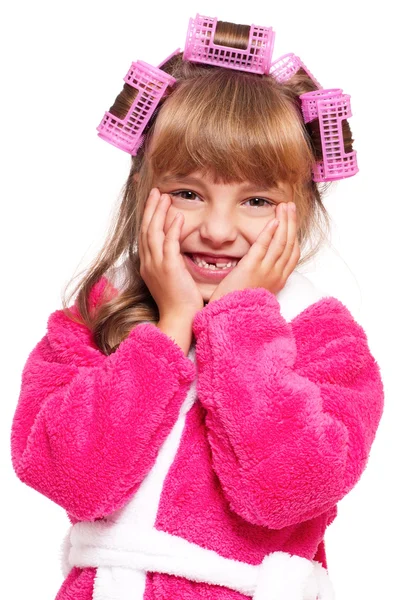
x=230, y=124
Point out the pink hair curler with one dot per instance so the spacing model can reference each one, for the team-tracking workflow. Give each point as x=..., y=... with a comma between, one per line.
x=200, y=47
x=151, y=84
x=286, y=66
x=331, y=107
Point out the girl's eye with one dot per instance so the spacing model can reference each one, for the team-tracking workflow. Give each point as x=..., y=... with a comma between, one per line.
x=267, y=202
x=189, y=195
x=187, y=192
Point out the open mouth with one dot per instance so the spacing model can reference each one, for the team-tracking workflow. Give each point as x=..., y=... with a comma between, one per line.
x=206, y=272
x=212, y=263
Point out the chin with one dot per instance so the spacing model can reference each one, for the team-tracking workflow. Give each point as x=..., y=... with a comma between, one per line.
x=206, y=290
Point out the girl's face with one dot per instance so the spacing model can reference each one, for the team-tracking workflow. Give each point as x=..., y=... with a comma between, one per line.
x=219, y=219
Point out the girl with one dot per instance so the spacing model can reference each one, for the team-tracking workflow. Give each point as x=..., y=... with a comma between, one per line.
x=201, y=408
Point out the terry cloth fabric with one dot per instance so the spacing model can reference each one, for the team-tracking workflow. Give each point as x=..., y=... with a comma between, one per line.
x=124, y=549
x=212, y=475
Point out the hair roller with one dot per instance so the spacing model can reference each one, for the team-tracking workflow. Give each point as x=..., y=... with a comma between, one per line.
x=286, y=66
x=331, y=107
x=200, y=47
x=150, y=84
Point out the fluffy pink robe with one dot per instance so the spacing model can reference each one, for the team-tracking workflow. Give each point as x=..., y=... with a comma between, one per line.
x=281, y=429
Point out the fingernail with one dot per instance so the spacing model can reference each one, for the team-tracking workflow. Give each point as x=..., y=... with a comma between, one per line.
x=293, y=206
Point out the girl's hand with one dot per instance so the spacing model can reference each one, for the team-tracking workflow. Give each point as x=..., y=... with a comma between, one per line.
x=161, y=264
x=271, y=258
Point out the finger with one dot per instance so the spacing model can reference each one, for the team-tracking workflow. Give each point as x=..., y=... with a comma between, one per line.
x=260, y=247
x=171, y=241
x=155, y=232
x=279, y=239
x=293, y=260
x=291, y=236
x=149, y=209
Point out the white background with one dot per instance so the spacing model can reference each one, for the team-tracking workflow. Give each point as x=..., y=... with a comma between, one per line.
x=62, y=67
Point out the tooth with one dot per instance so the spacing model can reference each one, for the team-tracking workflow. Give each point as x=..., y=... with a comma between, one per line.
x=218, y=266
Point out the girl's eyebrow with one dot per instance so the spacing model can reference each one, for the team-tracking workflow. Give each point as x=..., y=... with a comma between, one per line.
x=184, y=178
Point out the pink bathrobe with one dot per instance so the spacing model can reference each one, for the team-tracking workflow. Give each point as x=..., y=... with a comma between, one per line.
x=243, y=447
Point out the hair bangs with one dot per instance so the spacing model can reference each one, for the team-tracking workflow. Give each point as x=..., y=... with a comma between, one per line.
x=235, y=126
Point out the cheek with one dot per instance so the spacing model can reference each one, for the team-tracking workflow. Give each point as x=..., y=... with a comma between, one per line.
x=257, y=227
x=189, y=221
x=250, y=229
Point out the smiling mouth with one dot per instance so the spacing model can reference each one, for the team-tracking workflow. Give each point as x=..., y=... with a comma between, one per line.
x=212, y=263
x=208, y=273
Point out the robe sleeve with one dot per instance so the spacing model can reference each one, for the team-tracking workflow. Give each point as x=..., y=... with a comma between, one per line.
x=87, y=427
x=292, y=408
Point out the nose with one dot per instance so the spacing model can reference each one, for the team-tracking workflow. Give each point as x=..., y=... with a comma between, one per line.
x=218, y=226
